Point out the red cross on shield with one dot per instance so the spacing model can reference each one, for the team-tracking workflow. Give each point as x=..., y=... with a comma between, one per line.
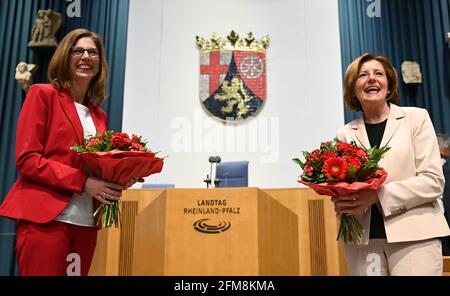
x=214, y=66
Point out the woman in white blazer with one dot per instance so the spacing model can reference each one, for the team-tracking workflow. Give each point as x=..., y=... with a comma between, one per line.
x=402, y=220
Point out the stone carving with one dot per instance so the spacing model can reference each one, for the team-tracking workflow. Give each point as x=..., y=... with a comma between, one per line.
x=24, y=74
x=44, y=29
x=411, y=72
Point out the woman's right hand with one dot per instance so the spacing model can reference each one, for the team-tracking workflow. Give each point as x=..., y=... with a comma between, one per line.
x=102, y=191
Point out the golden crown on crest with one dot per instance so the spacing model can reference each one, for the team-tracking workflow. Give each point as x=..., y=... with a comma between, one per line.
x=232, y=42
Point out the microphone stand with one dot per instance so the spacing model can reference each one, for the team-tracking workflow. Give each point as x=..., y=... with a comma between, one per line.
x=209, y=177
x=216, y=181
x=207, y=181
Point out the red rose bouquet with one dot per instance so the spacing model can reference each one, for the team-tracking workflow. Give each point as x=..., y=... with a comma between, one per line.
x=339, y=168
x=115, y=157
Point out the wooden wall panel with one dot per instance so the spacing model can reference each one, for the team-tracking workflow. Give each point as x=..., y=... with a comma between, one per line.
x=128, y=217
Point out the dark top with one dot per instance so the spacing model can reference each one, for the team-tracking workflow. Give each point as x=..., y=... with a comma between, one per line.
x=375, y=134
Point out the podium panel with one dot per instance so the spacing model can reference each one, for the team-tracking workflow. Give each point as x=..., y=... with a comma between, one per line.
x=232, y=231
x=111, y=257
x=319, y=251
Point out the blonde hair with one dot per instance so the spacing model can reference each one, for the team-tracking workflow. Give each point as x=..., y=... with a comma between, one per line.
x=60, y=76
x=351, y=75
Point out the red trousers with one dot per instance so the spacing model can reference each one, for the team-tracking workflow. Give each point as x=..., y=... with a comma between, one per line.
x=54, y=248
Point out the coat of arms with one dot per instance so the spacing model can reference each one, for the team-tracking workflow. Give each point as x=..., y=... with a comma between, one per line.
x=232, y=75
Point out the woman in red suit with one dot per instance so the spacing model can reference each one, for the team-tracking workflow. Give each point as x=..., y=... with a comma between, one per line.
x=53, y=198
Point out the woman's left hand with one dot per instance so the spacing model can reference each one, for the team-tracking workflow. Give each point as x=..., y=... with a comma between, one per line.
x=355, y=203
x=132, y=182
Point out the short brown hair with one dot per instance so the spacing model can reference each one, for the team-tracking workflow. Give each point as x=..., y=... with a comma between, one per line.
x=351, y=75
x=60, y=76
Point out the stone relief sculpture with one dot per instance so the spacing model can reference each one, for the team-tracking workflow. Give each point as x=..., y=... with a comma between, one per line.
x=411, y=72
x=24, y=73
x=43, y=33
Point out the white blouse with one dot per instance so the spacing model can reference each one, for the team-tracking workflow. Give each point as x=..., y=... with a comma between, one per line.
x=80, y=210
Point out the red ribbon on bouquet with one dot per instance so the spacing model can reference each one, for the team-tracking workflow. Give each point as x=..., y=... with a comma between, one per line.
x=121, y=166
x=343, y=188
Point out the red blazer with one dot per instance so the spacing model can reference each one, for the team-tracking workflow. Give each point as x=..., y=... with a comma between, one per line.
x=47, y=127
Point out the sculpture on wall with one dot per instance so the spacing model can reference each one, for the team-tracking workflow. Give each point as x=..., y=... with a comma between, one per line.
x=411, y=72
x=24, y=73
x=232, y=75
x=44, y=29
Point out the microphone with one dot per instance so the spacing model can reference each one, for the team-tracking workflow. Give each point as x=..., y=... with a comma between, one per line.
x=208, y=180
x=211, y=161
x=214, y=160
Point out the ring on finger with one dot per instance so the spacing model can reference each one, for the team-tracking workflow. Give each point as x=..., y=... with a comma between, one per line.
x=103, y=195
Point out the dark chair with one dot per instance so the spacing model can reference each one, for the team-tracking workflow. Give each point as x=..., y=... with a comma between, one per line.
x=152, y=185
x=232, y=174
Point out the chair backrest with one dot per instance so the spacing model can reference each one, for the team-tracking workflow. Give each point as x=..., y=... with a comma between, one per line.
x=232, y=174
x=152, y=185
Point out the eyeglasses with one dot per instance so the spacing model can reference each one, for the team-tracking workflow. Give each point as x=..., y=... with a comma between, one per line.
x=79, y=51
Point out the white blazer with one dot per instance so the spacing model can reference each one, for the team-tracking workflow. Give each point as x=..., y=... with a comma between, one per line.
x=415, y=180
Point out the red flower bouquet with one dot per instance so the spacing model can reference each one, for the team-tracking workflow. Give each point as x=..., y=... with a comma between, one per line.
x=117, y=158
x=337, y=169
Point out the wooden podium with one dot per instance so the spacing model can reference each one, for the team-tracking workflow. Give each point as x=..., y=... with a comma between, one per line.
x=239, y=231
x=227, y=231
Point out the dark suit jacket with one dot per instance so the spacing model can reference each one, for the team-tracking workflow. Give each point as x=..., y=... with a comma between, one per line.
x=47, y=127
x=446, y=195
